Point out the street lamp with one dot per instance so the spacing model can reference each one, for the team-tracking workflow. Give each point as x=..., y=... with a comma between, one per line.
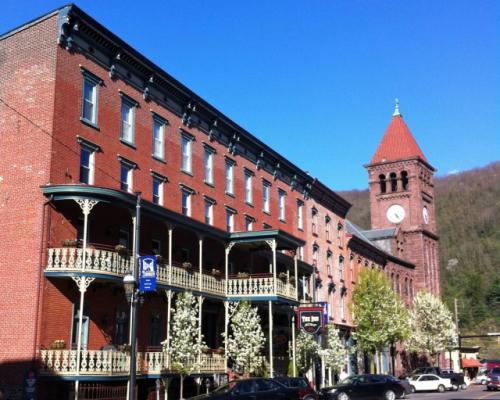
x=129, y=286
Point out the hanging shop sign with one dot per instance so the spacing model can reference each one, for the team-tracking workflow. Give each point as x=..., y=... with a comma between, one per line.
x=147, y=273
x=310, y=319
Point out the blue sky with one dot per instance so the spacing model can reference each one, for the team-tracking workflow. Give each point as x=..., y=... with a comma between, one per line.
x=316, y=80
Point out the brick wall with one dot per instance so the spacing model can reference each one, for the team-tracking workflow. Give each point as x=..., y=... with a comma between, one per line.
x=27, y=77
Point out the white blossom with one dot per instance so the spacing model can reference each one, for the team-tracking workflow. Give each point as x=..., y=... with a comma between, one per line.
x=306, y=349
x=335, y=353
x=246, y=339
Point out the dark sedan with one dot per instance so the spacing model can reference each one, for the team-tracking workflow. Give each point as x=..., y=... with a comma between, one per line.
x=251, y=389
x=366, y=387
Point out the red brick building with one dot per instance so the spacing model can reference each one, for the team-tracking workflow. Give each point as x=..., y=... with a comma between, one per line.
x=87, y=123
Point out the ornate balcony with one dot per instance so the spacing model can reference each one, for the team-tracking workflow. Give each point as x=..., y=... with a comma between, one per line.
x=112, y=264
x=117, y=363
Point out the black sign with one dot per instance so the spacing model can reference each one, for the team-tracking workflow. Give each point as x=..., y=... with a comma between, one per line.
x=310, y=319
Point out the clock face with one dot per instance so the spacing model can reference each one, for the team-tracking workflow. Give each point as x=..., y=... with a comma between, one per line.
x=395, y=213
x=425, y=215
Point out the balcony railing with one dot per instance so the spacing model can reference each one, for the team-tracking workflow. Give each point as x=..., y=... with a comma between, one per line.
x=107, y=262
x=112, y=362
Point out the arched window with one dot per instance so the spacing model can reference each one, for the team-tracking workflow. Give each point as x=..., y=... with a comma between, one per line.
x=397, y=284
x=411, y=288
x=383, y=185
x=407, y=288
x=394, y=181
x=392, y=281
x=404, y=180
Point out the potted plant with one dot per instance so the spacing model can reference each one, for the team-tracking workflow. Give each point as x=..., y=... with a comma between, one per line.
x=219, y=350
x=187, y=265
x=159, y=259
x=243, y=275
x=283, y=276
x=331, y=287
x=216, y=273
x=69, y=243
x=292, y=280
x=58, y=344
x=121, y=249
x=125, y=348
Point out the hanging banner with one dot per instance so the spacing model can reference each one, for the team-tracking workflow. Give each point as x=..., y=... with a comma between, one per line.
x=310, y=319
x=147, y=273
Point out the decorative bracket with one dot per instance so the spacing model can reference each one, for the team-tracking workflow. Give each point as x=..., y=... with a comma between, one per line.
x=86, y=205
x=233, y=142
x=271, y=244
x=276, y=172
x=229, y=247
x=83, y=282
x=260, y=160
x=213, y=132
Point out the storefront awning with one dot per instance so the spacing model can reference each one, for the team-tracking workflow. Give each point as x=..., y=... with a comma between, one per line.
x=470, y=363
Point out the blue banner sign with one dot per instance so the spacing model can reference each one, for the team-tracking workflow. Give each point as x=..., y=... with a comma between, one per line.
x=147, y=273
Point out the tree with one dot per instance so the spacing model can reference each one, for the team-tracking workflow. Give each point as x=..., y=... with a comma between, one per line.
x=246, y=339
x=432, y=325
x=335, y=353
x=379, y=314
x=185, y=342
x=306, y=349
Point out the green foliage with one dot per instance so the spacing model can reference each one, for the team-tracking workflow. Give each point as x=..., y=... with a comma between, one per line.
x=379, y=314
x=468, y=221
x=306, y=350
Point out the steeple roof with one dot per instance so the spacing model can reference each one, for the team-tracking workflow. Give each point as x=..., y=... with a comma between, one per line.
x=397, y=143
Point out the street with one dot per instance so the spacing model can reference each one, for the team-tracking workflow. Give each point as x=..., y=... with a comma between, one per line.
x=473, y=392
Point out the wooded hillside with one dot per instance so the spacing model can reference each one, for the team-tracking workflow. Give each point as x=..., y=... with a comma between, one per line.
x=468, y=217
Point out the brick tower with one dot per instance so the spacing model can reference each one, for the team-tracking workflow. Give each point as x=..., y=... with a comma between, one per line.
x=402, y=195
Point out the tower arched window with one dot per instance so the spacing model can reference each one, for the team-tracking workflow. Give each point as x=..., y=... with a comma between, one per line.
x=383, y=184
x=404, y=180
x=398, y=289
x=394, y=181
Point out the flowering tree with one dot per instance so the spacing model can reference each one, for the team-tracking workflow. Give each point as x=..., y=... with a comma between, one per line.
x=306, y=349
x=246, y=339
x=185, y=342
x=432, y=325
x=335, y=353
x=380, y=316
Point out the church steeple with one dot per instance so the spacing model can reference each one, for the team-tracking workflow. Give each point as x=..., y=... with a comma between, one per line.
x=397, y=143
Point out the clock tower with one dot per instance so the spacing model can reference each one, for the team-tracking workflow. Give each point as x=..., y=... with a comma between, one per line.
x=402, y=195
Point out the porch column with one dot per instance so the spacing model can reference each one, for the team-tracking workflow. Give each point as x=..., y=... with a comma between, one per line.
x=226, y=263
x=134, y=252
x=200, y=262
x=296, y=271
x=200, y=309
x=82, y=282
x=294, y=357
x=170, y=233
x=271, y=360
x=272, y=245
x=226, y=327
x=169, y=294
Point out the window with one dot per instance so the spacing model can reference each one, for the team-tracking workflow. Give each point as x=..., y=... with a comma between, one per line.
x=248, y=187
x=315, y=255
x=266, y=187
x=159, y=137
x=128, y=116
x=266, y=226
x=351, y=268
x=394, y=181
x=229, y=220
x=158, y=190
x=300, y=215
x=121, y=327
x=342, y=306
x=229, y=177
x=383, y=184
x=186, y=153
x=404, y=180
x=208, y=162
x=156, y=246
x=281, y=204
x=340, y=236
x=301, y=253
x=209, y=211
x=155, y=335
x=87, y=165
x=249, y=223
x=314, y=214
x=89, y=98
x=329, y=263
x=327, y=227
x=124, y=238
x=186, y=201
x=126, y=177
x=341, y=267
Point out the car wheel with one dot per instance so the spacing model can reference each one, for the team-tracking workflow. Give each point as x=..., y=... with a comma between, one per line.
x=308, y=398
x=413, y=390
x=342, y=396
x=454, y=387
x=389, y=395
x=483, y=382
x=463, y=386
x=441, y=388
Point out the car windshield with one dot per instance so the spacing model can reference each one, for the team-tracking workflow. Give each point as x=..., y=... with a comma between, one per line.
x=349, y=380
x=226, y=388
x=414, y=377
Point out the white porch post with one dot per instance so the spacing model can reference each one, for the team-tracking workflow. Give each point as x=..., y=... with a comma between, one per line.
x=226, y=264
x=226, y=327
x=83, y=283
x=273, y=247
x=200, y=262
x=200, y=309
x=271, y=360
x=169, y=294
x=294, y=357
x=170, y=232
x=296, y=271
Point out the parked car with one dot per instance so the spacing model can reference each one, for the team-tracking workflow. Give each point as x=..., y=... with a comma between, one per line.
x=457, y=379
x=493, y=379
x=251, y=389
x=301, y=385
x=403, y=382
x=429, y=382
x=365, y=386
x=482, y=377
